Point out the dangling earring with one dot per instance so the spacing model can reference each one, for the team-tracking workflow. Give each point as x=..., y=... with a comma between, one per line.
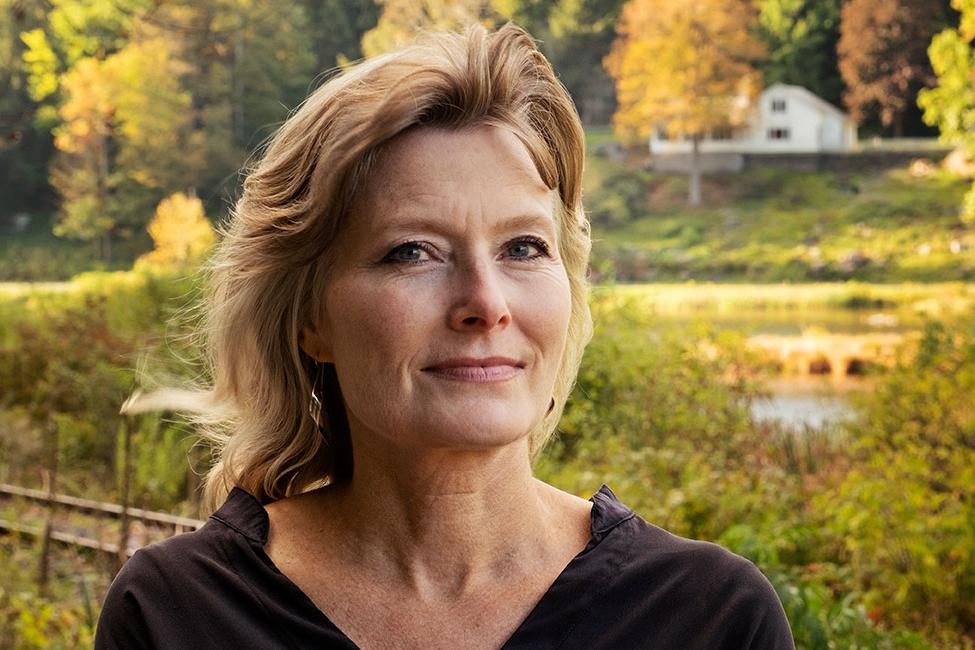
x=315, y=403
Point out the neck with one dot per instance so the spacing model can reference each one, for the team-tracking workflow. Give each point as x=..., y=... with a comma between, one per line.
x=444, y=522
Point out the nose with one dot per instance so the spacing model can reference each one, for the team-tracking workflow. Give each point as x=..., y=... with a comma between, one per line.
x=480, y=303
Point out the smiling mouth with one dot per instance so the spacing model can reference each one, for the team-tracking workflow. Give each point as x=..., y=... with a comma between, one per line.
x=477, y=370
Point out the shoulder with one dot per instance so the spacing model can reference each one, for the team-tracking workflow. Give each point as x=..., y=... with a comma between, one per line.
x=168, y=564
x=704, y=565
x=673, y=592
x=701, y=586
x=155, y=589
x=167, y=592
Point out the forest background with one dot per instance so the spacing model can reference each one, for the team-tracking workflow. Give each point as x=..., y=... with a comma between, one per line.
x=124, y=126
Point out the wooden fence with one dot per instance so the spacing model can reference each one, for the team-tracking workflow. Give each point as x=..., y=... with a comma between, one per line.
x=174, y=523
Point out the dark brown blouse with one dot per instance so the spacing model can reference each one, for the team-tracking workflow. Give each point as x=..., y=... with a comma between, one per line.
x=634, y=586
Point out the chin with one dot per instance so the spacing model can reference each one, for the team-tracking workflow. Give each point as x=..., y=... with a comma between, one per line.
x=478, y=430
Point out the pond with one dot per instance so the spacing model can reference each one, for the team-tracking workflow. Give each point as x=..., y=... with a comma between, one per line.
x=811, y=400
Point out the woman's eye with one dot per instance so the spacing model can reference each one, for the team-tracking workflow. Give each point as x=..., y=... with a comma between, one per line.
x=527, y=249
x=409, y=252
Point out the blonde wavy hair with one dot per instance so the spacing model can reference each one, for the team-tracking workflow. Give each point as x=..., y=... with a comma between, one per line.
x=265, y=279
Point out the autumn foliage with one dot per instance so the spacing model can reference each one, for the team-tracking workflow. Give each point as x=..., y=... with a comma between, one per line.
x=688, y=67
x=180, y=231
x=883, y=56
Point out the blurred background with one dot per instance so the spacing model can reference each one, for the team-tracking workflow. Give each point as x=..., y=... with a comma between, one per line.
x=783, y=215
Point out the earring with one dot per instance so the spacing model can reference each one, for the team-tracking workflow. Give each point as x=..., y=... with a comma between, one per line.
x=551, y=405
x=315, y=403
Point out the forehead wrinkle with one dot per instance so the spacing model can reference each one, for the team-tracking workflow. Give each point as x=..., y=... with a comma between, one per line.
x=413, y=181
x=407, y=158
x=409, y=216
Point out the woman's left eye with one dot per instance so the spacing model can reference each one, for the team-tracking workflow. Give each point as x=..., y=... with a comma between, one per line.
x=527, y=249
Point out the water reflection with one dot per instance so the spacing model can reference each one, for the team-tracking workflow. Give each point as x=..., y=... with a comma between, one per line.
x=800, y=402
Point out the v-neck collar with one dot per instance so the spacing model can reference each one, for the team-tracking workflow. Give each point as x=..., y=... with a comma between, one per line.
x=580, y=582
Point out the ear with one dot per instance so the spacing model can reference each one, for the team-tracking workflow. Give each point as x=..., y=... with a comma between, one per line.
x=316, y=343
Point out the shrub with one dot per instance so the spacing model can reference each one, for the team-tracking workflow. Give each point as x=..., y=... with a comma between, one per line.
x=904, y=514
x=621, y=198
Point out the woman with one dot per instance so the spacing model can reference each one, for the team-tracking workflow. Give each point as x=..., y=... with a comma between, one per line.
x=396, y=318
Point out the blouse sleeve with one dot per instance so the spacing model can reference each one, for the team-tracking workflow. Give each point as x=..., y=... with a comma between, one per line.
x=757, y=612
x=123, y=621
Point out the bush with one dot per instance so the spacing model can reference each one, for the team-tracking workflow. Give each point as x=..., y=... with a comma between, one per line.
x=621, y=198
x=904, y=517
x=67, y=362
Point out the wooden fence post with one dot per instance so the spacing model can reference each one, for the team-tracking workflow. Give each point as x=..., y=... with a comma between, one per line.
x=123, y=544
x=51, y=476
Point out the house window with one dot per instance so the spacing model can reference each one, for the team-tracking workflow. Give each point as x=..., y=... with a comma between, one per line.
x=778, y=134
x=778, y=106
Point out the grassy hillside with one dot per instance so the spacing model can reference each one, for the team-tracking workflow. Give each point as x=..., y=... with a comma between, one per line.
x=774, y=225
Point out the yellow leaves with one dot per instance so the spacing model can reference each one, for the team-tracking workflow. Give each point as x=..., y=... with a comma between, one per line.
x=135, y=91
x=401, y=20
x=125, y=121
x=967, y=23
x=41, y=65
x=87, y=111
x=683, y=65
x=180, y=231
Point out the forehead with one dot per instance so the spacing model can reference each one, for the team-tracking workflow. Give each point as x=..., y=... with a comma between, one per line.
x=488, y=166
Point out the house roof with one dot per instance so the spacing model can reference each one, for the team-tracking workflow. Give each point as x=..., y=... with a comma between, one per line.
x=808, y=95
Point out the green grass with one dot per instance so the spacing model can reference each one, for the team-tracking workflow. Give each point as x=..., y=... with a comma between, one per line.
x=774, y=225
x=931, y=299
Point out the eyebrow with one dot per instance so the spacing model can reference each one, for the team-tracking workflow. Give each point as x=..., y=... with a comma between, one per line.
x=530, y=220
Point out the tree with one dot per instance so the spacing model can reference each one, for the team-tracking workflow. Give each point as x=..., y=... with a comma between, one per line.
x=25, y=146
x=125, y=141
x=950, y=105
x=337, y=27
x=74, y=30
x=575, y=36
x=192, y=88
x=81, y=172
x=801, y=37
x=685, y=67
x=40, y=41
x=578, y=37
x=882, y=56
x=179, y=230
x=401, y=20
x=246, y=64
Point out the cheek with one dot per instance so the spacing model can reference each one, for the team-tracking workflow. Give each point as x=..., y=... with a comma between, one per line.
x=546, y=309
x=376, y=321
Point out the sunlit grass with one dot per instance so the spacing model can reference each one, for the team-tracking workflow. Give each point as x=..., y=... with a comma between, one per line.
x=932, y=299
x=774, y=225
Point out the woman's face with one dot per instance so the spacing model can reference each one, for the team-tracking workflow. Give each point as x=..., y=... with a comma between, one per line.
x=448, y=305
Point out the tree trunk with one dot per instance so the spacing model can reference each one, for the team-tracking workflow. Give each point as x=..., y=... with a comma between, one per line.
x=102, y=188
x=694, y=187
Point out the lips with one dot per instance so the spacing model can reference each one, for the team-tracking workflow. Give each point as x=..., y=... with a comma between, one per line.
x=478, y=370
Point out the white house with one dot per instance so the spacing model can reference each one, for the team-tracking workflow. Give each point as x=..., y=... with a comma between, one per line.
x=786, y=119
